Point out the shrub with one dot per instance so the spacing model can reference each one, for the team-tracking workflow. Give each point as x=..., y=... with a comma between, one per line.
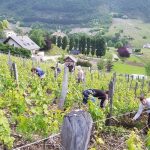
x=84, y=63
x=144, y=37
x=15, y=51
x=123, y=52
x=137, y=50
x=101, y=64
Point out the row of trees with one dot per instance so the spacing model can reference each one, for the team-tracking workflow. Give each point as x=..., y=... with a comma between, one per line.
x=86, y=45
x=83, y=43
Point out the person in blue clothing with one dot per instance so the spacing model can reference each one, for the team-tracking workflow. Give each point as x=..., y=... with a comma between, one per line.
x=38, y=71
x=100, y=94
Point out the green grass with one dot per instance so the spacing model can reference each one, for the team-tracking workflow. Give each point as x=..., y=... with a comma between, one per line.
x=133, y=28
x=128, y=69
x=56, y=51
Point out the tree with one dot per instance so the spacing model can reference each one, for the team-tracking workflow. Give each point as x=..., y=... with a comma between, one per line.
x=93, y=46
x=64, y=42
x=37, y=35
x=147, y=68
x=3, y=25
x=119, y=44
x=83, y=44
x=109, y=65
x=76, y=43
x=59, y=41
x=54, y=39
x=47, y=42
x=88, y=46
x=110, y=43
x=100, y=47
x=71, y=43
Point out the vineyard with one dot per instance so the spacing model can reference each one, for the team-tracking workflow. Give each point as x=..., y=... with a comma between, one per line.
x=29, y=108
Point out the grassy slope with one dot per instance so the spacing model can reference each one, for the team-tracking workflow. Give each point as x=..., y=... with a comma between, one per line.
x=133, y=28
x=125, y=68
x=56, y=51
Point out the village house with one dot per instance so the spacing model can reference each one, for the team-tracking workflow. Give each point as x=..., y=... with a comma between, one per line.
x=22, y=42
x=146, y=45
x=59, y=34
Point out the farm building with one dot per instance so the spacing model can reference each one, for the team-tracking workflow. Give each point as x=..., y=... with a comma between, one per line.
x=70, y=62
x=22, y=42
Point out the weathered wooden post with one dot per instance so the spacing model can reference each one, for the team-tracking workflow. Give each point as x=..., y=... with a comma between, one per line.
x=111, y=93
x=15, y=72
x=76, y=130
x=131, y=82
x=128, y=78
x=142, y=85
x=9, y=59
x=148, y=86
x=64, y=88
x=135, y=89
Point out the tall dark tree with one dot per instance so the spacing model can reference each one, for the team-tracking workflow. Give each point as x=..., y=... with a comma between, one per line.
x=100, y=47
x=59, y=41
x=71, y=43
x=93, y=46
x=80, y=45
x=88, y=46
x=83, y=44
x=47, y=42
x=54, y=39
x=76, y=43
x=64, y=42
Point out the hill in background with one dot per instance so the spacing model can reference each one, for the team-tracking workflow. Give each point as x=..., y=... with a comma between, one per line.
x=71, y=12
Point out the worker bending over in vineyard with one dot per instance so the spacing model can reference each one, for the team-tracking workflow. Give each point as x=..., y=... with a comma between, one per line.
x=100, y=94
x=81, y=75
x=38, y=71
x=144, y=103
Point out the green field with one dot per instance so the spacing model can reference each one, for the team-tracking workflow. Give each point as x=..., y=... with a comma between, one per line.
x=133, y=28
x=128, y=69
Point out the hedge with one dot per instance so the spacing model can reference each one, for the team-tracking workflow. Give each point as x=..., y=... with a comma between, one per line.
x=4, y=48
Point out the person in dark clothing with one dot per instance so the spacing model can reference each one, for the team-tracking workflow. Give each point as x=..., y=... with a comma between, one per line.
x=38, y=71
x=100, y=94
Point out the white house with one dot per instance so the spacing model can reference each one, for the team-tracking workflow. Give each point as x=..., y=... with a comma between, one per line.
x=146, y=45
x=22, y=42
x=59, y=33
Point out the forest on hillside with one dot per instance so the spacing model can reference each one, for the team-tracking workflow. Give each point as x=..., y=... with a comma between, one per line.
x=70, y=12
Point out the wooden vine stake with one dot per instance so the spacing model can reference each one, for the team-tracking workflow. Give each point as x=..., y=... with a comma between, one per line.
x=64, y=88
x=15, y=72
x=76, y=130
x=111, y=93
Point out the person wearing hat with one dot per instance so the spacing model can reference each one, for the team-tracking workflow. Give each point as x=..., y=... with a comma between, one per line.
x=144, y=103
